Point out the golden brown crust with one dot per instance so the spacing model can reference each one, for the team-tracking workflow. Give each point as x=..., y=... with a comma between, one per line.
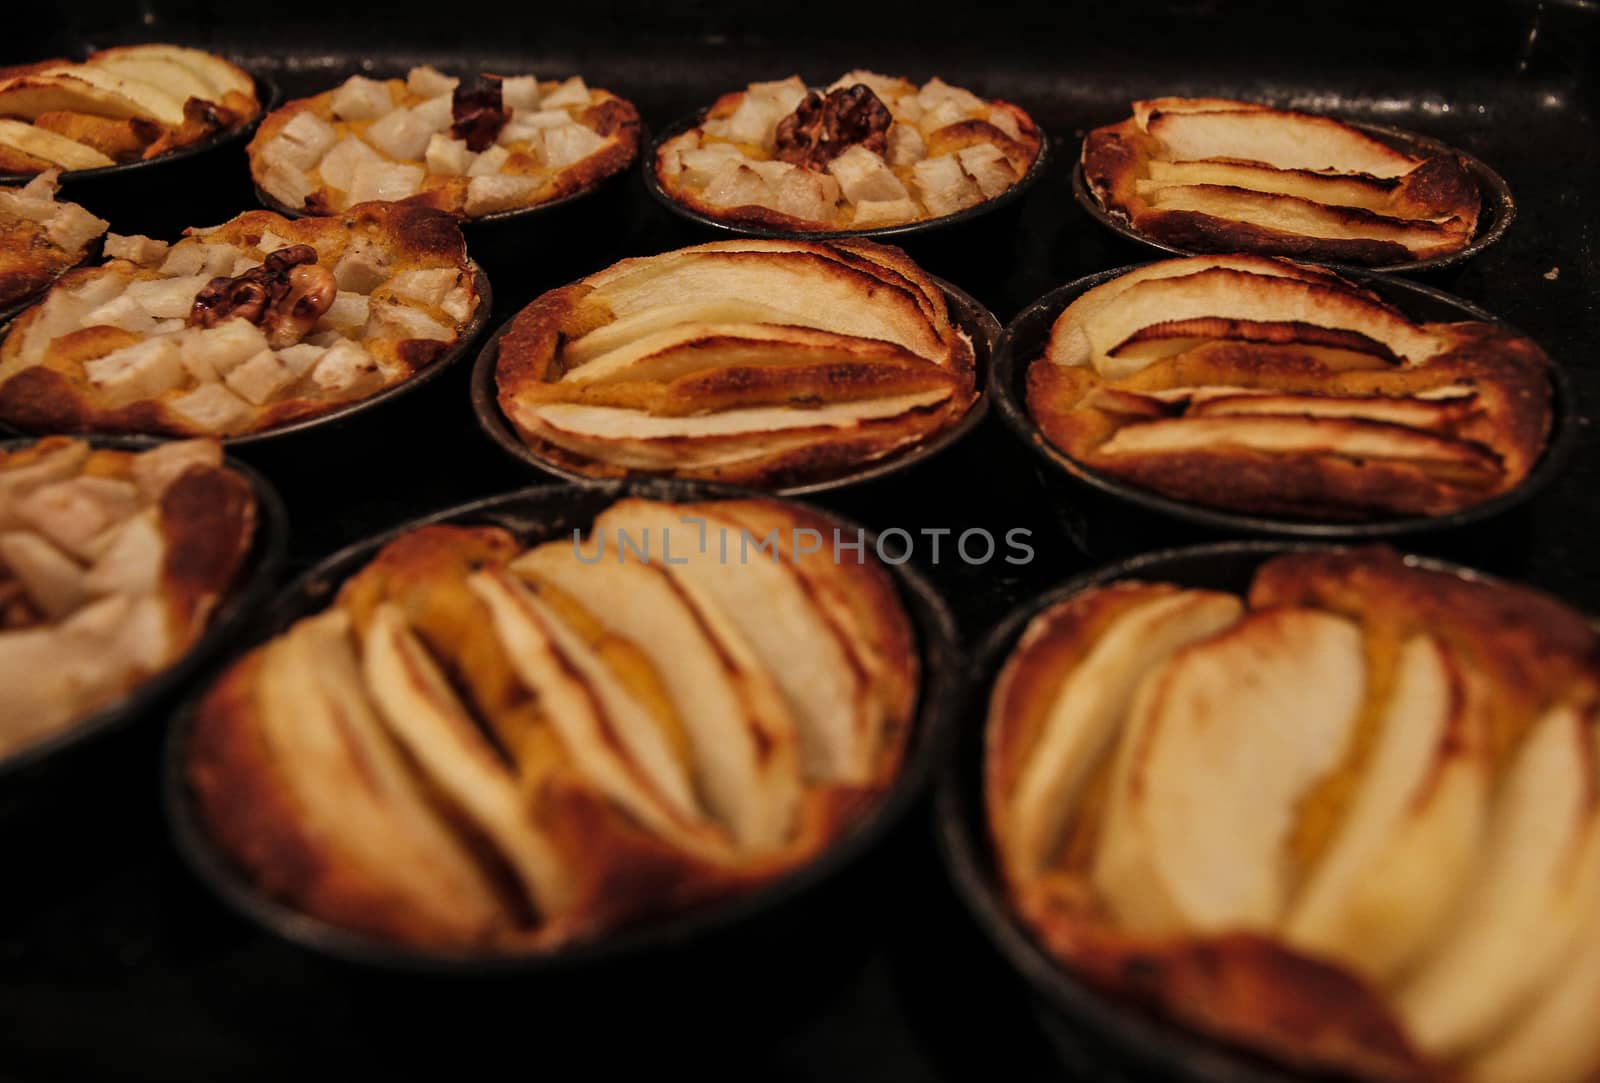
x=1434, y=207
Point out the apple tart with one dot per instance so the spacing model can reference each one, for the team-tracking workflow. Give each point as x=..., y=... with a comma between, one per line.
x=112, y=564
x=1258, y=385
x=1347, y=822
x=243, y=327
x=483, y=748
x=1211, y=175
x=499, y=144
x=126, y=104
x=869, y=151
x=762, y=362
x=41, y=238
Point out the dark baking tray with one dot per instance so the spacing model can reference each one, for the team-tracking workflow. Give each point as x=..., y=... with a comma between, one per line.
x=123, y=968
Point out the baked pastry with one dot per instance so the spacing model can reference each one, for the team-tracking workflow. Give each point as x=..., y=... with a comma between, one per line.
x=501, y=144
x=1347, y=822
x=41, y=238
x=480, y=748
x=1259, y=385
x=126, y=104
x=237, y=329
x=1211, y=175
x=112, y=564
x=869, y=151
x=763, y=362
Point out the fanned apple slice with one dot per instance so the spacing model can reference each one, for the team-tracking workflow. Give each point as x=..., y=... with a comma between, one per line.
x=1441, y=456
x=56, y=149
x=1220, y=746
x=609, y=734
x=423, y=713
x=1171, y=337
x=1304, y=218
x=794, y=279
x=1089, y=711
x=746, y=759
x=220, y=75
x=1143, y=110
x=166, y=75
x=622, y=332
x=1367, y=193
x=1224, y=293
x=1418, y=413
x=695, y=347
x=1408, y=841
x=1535, y=891
x=1069, y=345
x=1555, y=1041
x=1276, y=138
x=834, y=708
x=351, y=787
x=78, y=88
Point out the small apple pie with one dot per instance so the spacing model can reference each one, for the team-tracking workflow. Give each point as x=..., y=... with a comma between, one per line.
x=499, y=144
x=1209, y=175
x=1259, y=385
x=770, y=363
x=41, y=238
x=241, y=328
x=869, y=151
x=112, y=564
x=126, y=104
x=1347, y=822
x=483, y=748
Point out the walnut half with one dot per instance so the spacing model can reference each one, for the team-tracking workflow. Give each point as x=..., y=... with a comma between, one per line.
x=285, y=296
x=822, y=128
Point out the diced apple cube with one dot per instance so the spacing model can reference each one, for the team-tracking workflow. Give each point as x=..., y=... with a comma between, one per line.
x=943, y=186
x=145, y=251
x=346, y=368
x=348, y=312
x=227, y=345
x=700, y=165
x=448, y=157
x=909, y=109
x=219, y=259
x=541, y=118
x=363, y=267
x=428, y=286
x=871, y=214
x=458, y=304
x=488, y=163
x=573, y=143
x=42, y=188
x=936, y=92
x=785, y=94
x=941, y=116
x=304, y=140
x=737, y=185
x=886, y=87
x=806, y=195
x=212, y=408
x=906, y=145
x=990, y=169
x=437, y=113
x=339, y=165
x=286, y=184
x=360, y=98
x=863, y=177
x=270, y=242
x=141, y=371
x=520, y=92
x=385, y=181
x=430, y=82
x=259, y=378
x=123, y=312
x=572, y=94
x=301, y=358
x=167, y=298
x=394, y=318
x=485, y=195
x=528, y=136
x=184, y=259
x=400, y=134
x=752, y=122
x=1005, y=120
x=196, y=361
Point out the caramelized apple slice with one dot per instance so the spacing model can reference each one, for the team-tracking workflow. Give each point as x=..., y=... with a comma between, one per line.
x=422, y=711
x=746, y=759
x=1220, y=746
x=1281, y=139
x=1436, y=413
x=1367, y=193
x=1144, y=110
x=1089, y=710
x=622, y=332
x=1534, y=893
x=1408, y=841
x=1171, y=337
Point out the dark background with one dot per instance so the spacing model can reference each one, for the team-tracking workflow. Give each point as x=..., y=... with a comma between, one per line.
x=114, y=965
